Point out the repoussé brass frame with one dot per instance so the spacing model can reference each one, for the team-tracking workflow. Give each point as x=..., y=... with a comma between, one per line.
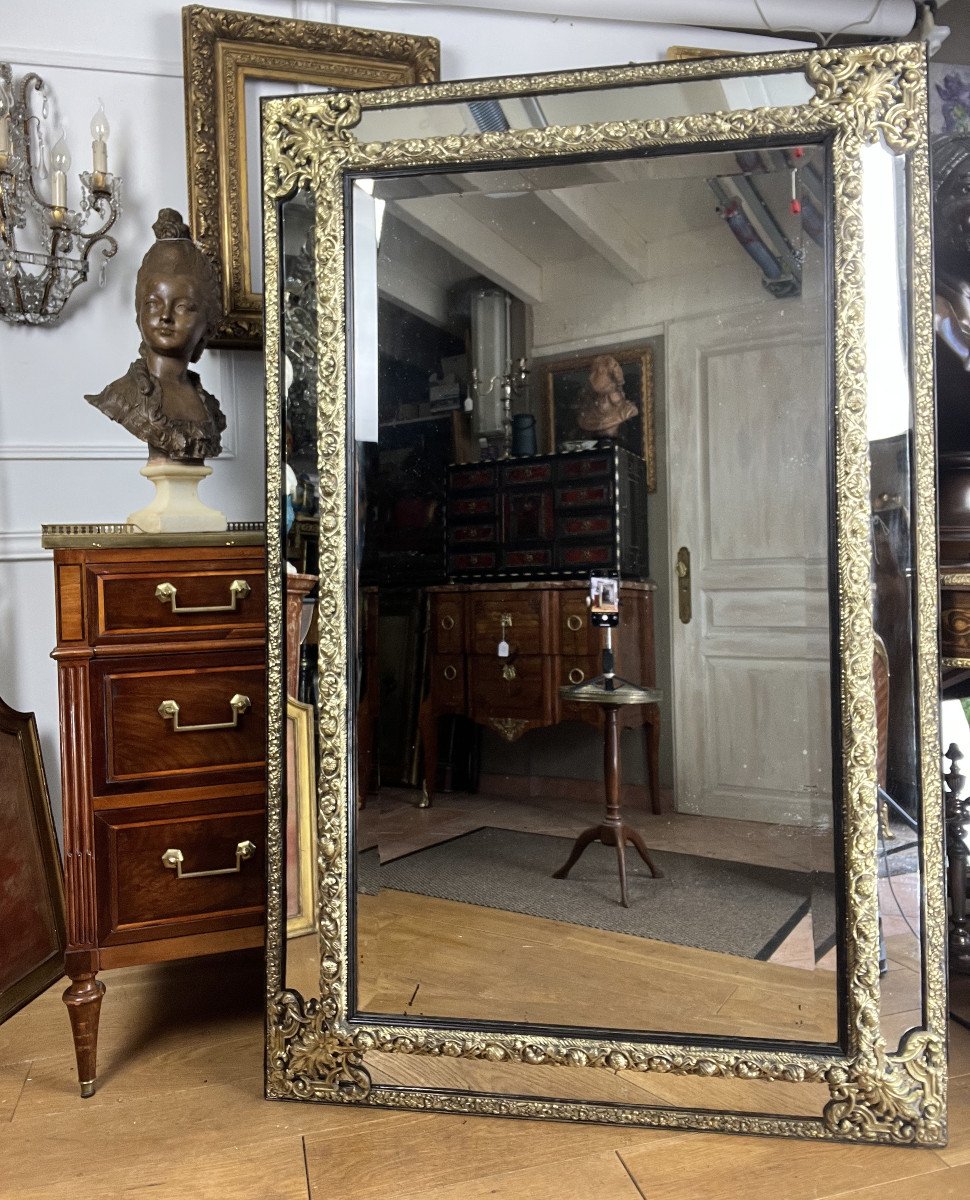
x=222, y=49
x=315, y=1049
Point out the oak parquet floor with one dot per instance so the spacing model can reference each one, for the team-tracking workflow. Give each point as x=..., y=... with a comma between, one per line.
x=179, y=1113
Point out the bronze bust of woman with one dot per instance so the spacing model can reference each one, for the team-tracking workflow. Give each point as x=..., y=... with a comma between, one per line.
x=177, y=307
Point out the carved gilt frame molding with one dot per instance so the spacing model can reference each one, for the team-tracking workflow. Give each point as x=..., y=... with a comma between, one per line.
x=315, y=1048
x=222, y=49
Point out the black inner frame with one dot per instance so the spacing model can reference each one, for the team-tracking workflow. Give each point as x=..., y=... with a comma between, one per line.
x=364, y=1018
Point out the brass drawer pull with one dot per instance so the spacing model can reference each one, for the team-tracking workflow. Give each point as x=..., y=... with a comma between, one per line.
x=574, y=623
x=239, y=589
x=576, y=675
x=175, y=858
x=169, y=710
x=448, y=622
x=450, y=673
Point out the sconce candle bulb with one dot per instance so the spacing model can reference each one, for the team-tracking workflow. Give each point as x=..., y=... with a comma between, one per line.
x=99, y=146
x=37, y=280
x=61, y=162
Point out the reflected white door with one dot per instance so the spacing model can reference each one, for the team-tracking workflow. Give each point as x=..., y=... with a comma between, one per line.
x=751, y=670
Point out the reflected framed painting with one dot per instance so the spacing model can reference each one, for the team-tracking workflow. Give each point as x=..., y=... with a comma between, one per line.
x=608, y=394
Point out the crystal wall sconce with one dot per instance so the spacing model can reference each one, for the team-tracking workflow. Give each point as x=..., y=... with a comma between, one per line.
x=45, y=246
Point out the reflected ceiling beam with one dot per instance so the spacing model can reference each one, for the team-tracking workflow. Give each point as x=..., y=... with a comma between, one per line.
x=448, y=224
x=601, y=226
x=410, y=290
x=604, y=228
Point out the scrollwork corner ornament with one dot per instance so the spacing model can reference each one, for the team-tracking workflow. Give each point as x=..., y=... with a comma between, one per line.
x=299, y=139
x=873, y=90
x=307, y=1060
x=894, y=1099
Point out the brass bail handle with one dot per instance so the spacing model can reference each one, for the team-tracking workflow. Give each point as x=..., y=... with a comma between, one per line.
x=167, y=593
x=174, y=858
x=682, y=571
x=168, y=710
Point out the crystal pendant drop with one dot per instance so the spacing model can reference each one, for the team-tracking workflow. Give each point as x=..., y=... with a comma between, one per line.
x=45, y=107
x=42, y=171
x=103, y=273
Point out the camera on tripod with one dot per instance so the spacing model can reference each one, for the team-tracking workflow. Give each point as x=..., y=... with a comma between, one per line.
x=604, y=601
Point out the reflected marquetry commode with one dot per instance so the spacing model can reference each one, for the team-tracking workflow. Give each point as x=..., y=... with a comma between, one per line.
x=161, y=673
x=551, y=645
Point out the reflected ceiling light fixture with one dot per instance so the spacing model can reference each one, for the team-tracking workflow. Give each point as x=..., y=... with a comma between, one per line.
x=35, y=284
x=494, y=379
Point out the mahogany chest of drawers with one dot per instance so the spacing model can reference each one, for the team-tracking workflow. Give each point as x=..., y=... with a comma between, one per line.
x=551, y=644
x=549, y=516
x=161, y=674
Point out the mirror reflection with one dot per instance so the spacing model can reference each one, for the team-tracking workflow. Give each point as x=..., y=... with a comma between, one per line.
x=593, y=599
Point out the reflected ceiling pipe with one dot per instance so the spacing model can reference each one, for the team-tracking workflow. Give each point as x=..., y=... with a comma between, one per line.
x=488, y=116
x=868, y=18
x=780, y=273
x=812, y=196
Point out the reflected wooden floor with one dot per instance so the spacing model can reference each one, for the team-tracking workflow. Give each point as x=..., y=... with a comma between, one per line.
x=180, y=1113
x=494, y=951
x=422, y=956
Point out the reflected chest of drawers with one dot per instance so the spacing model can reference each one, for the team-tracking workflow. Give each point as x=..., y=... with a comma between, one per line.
x=550, y=644
x=161, y=675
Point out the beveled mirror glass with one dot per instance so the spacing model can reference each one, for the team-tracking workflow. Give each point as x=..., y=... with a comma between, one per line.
x=663, y=848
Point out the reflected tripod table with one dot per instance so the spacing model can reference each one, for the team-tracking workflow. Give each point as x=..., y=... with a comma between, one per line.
x=610, y=693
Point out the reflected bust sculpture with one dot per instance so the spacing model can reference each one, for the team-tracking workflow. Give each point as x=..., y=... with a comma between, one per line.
x=177, y=306
x=604, y=405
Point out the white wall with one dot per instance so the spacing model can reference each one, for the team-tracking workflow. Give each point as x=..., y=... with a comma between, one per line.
x=60, y=459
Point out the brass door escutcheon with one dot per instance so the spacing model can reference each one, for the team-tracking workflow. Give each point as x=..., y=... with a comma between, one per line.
x=682, y=570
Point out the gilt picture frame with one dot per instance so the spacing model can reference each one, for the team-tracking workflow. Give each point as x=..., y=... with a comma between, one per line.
x=228, y=53
x=31, y=885
x=300, y=791
x=583, y=395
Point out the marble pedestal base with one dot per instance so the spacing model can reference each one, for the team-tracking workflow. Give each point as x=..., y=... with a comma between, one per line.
x=177, y=507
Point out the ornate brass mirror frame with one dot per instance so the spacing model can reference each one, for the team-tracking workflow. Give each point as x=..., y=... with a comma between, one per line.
x=864, y=1090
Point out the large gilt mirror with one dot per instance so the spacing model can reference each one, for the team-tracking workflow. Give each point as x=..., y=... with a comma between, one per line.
x=604, y=770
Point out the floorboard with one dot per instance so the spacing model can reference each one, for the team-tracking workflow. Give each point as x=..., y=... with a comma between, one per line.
x=179, y=1113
